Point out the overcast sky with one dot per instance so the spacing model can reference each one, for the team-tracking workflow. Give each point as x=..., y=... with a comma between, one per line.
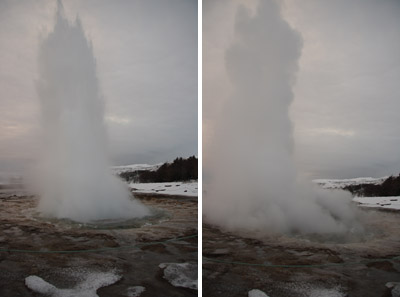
x=346, y=108
x=146, y=54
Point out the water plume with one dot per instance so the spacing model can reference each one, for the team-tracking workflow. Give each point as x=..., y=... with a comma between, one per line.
x=74, y=178
x=254, y=184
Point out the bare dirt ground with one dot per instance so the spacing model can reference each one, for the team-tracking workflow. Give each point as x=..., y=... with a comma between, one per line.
x=361, y=280
x=138, y=266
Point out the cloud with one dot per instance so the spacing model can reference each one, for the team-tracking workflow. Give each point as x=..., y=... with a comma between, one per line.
x=146, y=55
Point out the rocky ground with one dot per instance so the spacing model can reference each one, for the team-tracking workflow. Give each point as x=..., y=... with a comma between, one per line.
x=381, y=240
x=134, y=271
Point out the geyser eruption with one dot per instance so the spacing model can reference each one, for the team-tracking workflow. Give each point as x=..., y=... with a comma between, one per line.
x=75, y=178
x=254, y=185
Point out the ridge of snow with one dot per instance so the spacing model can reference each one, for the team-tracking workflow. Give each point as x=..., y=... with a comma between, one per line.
x=167, y=188
x=180, y=274
x=341, y=183
x=135, y=167
x=87, y=288
x=389, y=202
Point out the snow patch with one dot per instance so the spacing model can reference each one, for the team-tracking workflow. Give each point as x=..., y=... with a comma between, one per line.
x=320, y=292
x=87, y=288
x=170, y=188
x=180, y=274
x=389, y=202
x=39, y=285
x=135, y=291
x=257, y=293
x=135, y=167
x=395, y=288
x=341, y=183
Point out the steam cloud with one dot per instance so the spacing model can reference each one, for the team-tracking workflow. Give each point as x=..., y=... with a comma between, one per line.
x=75, y=181
x=254, y=184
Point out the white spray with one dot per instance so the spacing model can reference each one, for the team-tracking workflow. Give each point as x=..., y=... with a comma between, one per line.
x=75, y=181
x=254, y=184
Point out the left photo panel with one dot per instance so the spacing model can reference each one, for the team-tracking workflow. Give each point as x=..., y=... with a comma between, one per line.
x=99, y=148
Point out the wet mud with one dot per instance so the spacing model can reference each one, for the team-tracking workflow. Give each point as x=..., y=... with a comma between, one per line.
x=126, y=251
x=342, y=275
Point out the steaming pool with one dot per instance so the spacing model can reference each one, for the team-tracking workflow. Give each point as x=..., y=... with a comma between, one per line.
x=157, y=216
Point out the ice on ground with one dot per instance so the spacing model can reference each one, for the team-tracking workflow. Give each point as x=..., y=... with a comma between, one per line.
x=341, y=183
x=87, y=288
x=135, y=167
x=315, y=292
x=135, y=291
x=389, y=202
x=257, y=293
x=395, y=287
x=39, y=285
x=320, y=292
x=180, y=274
x=171, y=188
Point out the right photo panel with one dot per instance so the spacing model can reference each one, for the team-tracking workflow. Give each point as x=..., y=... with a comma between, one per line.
x=301, y=163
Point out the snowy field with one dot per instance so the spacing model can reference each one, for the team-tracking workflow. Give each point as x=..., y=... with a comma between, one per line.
x=87, y=288
x=135, y=167
x=376, y=202
x=390, y=202
x=167, y=188
x=172, y=188
x=311, y=292
x=341, y=183
x=177, y=274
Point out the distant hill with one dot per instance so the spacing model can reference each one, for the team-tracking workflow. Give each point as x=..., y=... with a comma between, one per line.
x=135, y=167
x=179, y=170
x=364, y=186
x=389, y=187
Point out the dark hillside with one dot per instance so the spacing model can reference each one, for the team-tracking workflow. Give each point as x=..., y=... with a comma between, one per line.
x=390, y=187
x=179, y=170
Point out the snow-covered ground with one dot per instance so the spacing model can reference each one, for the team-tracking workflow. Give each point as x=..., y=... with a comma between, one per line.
x=257, y=293
x=377, y=202
x=135, y=167
x=172, y=188
x=87, y=288
x=310, y=291
x=390, y=202
x=181, y=274
x=341, y=183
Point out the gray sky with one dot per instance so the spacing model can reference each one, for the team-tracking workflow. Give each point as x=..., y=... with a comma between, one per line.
x=146, y=54
x=347, y=97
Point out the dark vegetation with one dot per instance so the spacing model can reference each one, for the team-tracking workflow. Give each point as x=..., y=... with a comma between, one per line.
x=390, y=187
x=179, y=170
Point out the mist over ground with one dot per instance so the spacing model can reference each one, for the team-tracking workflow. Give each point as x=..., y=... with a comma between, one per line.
x=146, y=56
x=252, y=182
x=344, y=112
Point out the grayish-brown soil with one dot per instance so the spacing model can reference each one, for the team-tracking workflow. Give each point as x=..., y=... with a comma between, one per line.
x=382, y=240
x=19, y=229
